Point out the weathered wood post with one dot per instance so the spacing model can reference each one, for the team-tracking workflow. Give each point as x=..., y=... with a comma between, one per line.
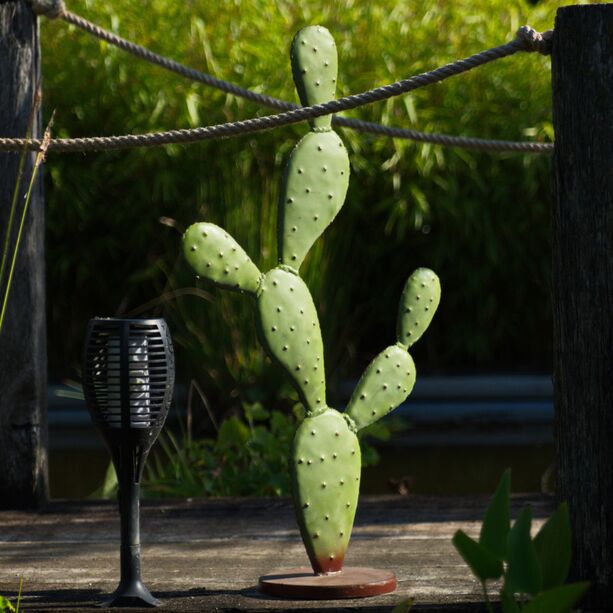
x=23, y=423
x=582, y=64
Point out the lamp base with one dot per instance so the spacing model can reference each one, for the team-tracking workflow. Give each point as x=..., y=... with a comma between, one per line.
x=133, y=595
x=351, y=582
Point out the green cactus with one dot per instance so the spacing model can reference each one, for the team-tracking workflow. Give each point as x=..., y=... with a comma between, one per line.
x=315, y=69
x=289, y=329
x=325, y=459
x=420, y=299
x=317, y=174
x=325, y=467
x=390, y=377
x=215, y=255
x=313, y=191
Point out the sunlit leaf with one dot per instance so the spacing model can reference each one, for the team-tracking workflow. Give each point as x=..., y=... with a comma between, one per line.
x=403, y=607
x=6, y=605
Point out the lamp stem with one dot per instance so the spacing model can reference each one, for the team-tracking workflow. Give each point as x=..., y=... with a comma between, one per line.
x=131, y=591
x=129, y=511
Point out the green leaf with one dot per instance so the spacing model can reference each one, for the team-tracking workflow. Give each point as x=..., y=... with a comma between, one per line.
x=298, y=412
x=255, y=411
x=508, y=603
x=553, y=548
x=403, y=607
x=523, y=574
x=558, y=600
x=483, y=564
x=496, y=523
x=232, y=433
x=108, y=488
x=6, y=605
x=110, y=485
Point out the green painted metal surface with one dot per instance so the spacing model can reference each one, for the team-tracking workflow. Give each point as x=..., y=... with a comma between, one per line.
x=325, y=460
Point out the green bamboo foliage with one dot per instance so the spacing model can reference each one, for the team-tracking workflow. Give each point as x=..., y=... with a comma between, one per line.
x=325, y=460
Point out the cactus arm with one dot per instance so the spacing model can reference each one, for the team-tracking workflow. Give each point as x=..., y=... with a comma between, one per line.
x=313, y=191
x=289, y=330
x=389, y=378
x=385, y=384
x=316, y=176
x=315, y=67
x=216, y=256
x=419, y=301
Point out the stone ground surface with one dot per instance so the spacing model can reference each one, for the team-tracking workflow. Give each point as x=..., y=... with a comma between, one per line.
x=207, y=555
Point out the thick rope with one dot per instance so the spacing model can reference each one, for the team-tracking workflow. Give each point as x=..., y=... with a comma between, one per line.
x=531, y=39
x=526, y=39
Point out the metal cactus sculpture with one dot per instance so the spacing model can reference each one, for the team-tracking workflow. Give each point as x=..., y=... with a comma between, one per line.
x=325, y=457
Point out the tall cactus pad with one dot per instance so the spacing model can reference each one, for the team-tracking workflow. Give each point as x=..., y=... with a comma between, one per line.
x=313, y=191
x=216, y=256
x=385, y=384
x=325, y=468
x=315, y=68
x=289, y=329
x=419, y=301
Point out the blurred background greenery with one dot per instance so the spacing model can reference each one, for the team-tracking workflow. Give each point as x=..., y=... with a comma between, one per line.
x=481, y=221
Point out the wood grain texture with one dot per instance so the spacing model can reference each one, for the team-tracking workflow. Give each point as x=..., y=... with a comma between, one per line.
x=207, y=555
x=23, y=428
x=583, y=285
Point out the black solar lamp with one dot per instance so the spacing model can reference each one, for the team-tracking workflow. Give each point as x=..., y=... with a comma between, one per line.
x=128, y=383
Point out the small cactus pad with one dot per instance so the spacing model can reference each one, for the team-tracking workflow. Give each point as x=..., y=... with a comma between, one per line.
x=385, y=384
x=216, y=256
x=313, y=191
x=315, y=68
x=289, y=329
x=419, y=301
x=325, y=466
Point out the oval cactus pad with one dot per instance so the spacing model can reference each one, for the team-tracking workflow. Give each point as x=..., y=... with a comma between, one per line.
x=216, y=256
x=325, y=466
x=386, y=383
x=419, y=301
x=289, y=330
x=315, y=67
x=313, y=191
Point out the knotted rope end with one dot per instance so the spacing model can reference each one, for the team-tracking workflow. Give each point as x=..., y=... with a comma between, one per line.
x=531, y=40
x=51, y=9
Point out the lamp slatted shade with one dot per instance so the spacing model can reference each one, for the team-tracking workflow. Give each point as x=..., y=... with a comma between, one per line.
x=129, y=372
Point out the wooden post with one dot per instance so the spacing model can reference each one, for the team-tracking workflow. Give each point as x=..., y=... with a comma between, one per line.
x=23, y=382
x=582, y=64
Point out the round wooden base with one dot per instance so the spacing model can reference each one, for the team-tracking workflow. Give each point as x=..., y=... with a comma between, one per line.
x=302, y=583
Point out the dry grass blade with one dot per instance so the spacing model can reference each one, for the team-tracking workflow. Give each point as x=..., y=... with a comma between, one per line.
x=40, y=158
